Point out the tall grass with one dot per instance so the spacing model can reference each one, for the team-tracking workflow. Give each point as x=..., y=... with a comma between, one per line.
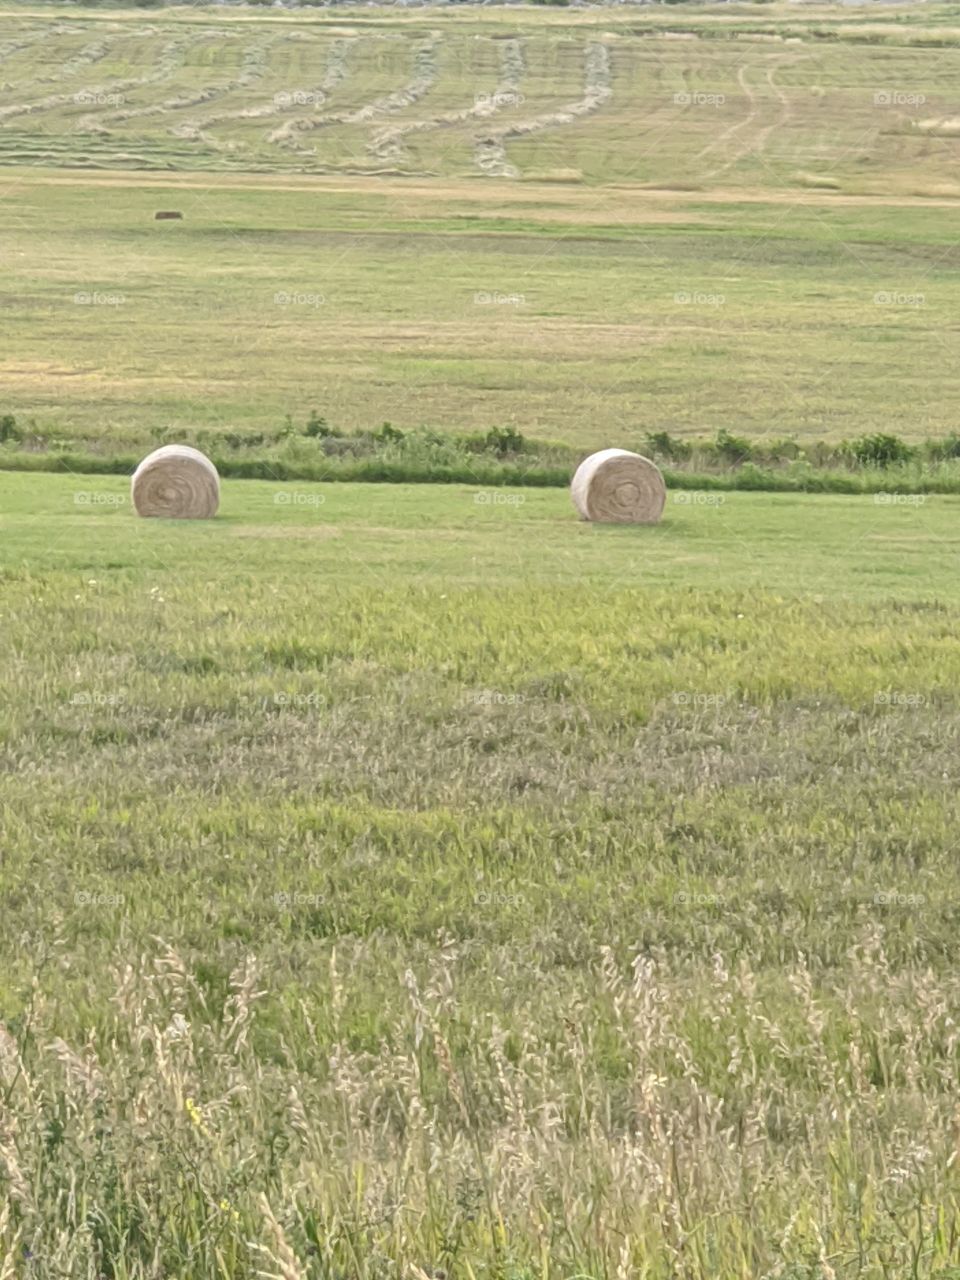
x=462, y=911
x=638, y=1118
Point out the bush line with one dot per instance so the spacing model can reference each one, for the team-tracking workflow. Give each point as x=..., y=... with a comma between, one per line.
x=748, y=478
x=318, y=452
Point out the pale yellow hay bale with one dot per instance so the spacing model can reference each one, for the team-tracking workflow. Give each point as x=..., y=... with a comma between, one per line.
x=948, y=127
x=615, y=486
x=176, y=482
x=819, y=181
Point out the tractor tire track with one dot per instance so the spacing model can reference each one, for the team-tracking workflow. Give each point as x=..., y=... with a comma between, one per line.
x=732, y=130
x=786, y=111
x=757, y=145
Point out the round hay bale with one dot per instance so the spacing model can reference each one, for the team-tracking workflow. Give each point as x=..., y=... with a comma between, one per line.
x=176, y=482
x=615, y=486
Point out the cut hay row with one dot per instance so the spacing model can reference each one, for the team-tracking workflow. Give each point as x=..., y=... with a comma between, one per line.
x=86, y=57
x=338, y=68
x=10, y=48
x=337, y=71
x=425, y=75
x=255, y=66
x=168, y=64
x=939, y=126
x=177, y=102
x=387, y=143
x=490, y=152
x=513, y=65
x=52, y=100
x=183, y=101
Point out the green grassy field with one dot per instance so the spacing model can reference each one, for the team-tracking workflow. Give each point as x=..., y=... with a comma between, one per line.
x=412, y=882
x=492, y=893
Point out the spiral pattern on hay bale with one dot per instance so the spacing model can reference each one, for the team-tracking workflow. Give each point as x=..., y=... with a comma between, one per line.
x=615, y=486
x=176, y=482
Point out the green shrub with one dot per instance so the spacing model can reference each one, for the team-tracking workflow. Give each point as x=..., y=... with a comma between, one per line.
x=388, y=434
x=316, y=426
x=663, y=445
x=732, y=449
x=9, y=429
x=943, y=450
x=778, y=450
x=755, y=478
x=881, y=450
x=504, y=440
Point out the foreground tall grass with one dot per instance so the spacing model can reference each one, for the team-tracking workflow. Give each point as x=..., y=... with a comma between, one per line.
x=401, y=886
x=649, y=1116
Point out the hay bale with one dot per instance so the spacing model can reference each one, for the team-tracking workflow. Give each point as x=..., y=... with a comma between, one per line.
x=176, y=482
x=615, y=486
x=164, y=215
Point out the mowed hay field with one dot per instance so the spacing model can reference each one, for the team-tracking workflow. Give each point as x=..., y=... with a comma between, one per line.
x=584, y=225
x=413, y=881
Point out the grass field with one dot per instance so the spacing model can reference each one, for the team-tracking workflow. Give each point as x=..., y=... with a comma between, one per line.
x=749, y=234
x=495, y=894
x=412, y=882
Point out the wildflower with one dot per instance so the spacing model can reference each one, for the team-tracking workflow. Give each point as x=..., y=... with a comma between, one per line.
x=196, y=1118
x=226, y=1207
